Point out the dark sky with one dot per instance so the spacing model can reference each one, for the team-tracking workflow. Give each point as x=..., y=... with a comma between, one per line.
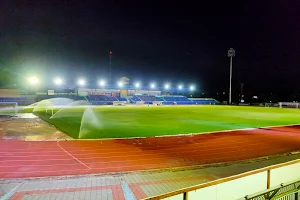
x=177, y=41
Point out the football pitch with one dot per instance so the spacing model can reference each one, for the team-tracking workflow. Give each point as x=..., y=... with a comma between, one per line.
x=144, y=121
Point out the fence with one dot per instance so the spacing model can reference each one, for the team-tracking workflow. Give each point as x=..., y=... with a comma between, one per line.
x=270, y=180
x=287, y=191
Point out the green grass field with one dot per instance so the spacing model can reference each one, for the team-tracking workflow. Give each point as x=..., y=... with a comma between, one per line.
x=121, y=122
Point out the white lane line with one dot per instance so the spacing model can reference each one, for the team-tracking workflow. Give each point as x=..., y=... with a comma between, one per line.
x=71, y=155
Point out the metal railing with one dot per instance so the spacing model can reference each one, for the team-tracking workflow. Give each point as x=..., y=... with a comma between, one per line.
x=287, y=191
x=281, y=193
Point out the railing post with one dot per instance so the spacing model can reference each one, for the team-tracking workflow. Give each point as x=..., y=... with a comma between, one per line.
x=268, y=178
x=296, y=195
x=185, y=196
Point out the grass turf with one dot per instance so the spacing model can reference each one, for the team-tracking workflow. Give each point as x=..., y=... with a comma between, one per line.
x=121, y=122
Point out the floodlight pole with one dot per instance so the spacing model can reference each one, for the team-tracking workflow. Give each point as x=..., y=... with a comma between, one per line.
x=242, y=90
x=110, y=54
x=231, y=54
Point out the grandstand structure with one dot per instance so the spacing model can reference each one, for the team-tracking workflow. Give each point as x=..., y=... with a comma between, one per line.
x=21, y=100
x=104, y=99
x=109, y=96
x=108, y=100
x=172, y=100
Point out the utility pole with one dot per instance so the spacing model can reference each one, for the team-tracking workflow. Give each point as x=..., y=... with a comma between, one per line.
x=231, y=54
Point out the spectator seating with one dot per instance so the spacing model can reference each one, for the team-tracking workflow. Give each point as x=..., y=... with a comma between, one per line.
x=175, y=98
x=135, y=99
x=121, y=99
x=206, y=101
x=103, y=99
x=73, y=96
x=108, y=100
x=93, y=99
x=179, y=100
x=147, y=99
x=171, y=100
x=22, y=100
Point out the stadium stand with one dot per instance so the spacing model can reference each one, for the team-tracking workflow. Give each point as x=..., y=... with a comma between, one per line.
x=23, y=100
x=79, y=98
x=121, y=99
x=172, y=99
x=134, y=99
x=180, y=100
x=108, y=100
x=148, y=99
x=103, y=99
x=69, y=96
x=209, y=101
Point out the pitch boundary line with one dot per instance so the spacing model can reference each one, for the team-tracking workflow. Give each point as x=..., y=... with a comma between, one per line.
x=230, y=130
x=72, y=155
x=177, y=135
x=188, y=134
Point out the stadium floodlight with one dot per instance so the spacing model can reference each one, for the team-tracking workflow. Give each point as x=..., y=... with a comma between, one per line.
x=137, y=85
x=180, y=87
x=58, y=81
x=120, y=84
x=33, y=80
x=231, y=53
x=81, y=82
x=102, y=83
x=167, y=86
x=192, y=88
x=152, y=85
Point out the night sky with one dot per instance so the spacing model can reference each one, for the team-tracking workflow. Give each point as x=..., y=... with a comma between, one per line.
x=176, y=41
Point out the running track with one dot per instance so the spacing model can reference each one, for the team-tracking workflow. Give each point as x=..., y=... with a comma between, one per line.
x=54, y=158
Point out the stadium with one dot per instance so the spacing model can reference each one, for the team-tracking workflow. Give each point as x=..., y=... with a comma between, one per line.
x=125, y=130
x=130, y=100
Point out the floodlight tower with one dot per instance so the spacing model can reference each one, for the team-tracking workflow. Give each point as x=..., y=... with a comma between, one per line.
x=231, y=54
x=34, y=81
x=179, y=89
x=137, y=85
x=192, y=89
x=58, y=81
x=109, y=75
x=81, y=82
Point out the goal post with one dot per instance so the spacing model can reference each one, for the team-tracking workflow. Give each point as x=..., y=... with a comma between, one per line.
x=9, y=108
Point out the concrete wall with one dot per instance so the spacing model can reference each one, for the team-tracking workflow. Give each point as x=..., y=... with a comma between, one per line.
x=285, y=174
x=241, y=187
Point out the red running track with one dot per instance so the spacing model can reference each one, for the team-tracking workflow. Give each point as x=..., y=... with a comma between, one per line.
x=56, y=158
